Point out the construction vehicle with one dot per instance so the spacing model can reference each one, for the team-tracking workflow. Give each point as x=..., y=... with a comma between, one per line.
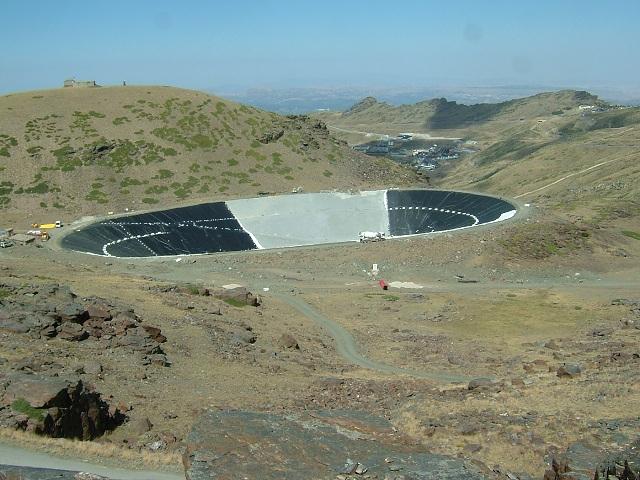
x=48, y=226
x=366, y=237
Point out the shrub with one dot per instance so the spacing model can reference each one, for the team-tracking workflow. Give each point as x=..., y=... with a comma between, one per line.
x=22, y=406
x=631, y=234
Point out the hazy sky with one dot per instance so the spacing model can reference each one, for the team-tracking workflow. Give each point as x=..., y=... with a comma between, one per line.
x=248, y=43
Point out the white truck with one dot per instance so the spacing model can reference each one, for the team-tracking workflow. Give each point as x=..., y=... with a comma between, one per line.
x=366, y=237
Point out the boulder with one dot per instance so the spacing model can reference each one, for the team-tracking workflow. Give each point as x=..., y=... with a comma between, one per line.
x=239, y=296
x=13, y=325
x=155, y=333
x=92, y=368
x=243, y=337
x=480, y=383
x=140, y=426
x=569, y=370
x=288, y=341
x=58, y=407
x=99, y=311
x=73, y=332
x=72, y=312
x=272, y=136
x=39, y=392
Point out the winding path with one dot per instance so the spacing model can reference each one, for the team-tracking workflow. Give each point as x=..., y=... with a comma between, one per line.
x=347, y=348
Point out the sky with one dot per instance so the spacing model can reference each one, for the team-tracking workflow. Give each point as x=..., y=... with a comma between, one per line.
x=240, y=44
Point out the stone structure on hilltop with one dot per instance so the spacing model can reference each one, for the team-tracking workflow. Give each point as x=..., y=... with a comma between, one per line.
x=72, y=82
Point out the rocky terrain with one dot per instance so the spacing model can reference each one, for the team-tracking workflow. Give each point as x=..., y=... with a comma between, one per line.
x=341, y=445
x=504, y=352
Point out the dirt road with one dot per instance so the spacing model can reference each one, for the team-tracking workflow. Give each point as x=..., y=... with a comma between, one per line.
x=12, y=455
x=346, y=346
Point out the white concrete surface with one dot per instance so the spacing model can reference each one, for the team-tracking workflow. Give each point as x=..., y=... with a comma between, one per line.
x=311, y=219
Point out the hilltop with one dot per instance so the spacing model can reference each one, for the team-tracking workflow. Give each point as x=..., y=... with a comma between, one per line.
x=439, y=114
x=90, y=150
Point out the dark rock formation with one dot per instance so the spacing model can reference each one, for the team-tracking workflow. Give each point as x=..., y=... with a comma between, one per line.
x=55, y=407
x=272, y=136
x=319, y=445
x=55, y=311
x=582, y=461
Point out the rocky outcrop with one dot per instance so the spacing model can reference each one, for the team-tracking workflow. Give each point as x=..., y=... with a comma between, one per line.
x=55, y=311
x=55, y=407
x=239, y=296
x=361, y=106
x=319, y=445
x=271, y=136
x=582, y=461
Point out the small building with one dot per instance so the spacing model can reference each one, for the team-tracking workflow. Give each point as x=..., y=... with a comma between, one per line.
x=22, y=239
x=71, y=82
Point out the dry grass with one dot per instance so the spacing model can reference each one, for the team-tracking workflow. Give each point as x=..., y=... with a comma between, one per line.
x=99, y=452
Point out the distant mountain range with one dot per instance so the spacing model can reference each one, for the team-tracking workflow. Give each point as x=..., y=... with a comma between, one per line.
x=304, y=100
x=440, y=113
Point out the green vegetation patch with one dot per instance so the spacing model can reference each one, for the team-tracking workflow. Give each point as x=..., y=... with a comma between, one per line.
x=114, y=154
x=128, y=181
x=6, y=187
x=513, y=148
x=454, y=115
x=121, y=120
x=631, y=234
x=156, y=189
x=7, y=142
x=539, y=241
x=96, y=195
x=22, y=406
x=39, y=188
x=234, y=303
x=163, y=174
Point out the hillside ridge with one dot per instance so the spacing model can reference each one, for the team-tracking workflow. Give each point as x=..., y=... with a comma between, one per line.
x=440, y=113
x=87, y=150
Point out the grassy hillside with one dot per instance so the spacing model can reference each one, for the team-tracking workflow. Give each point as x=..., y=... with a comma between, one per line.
x=578, y=164
x=454, y=118
x=100, y=149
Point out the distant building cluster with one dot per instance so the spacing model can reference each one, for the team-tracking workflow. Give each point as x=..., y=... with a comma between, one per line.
x=72, y=82
x=423, y=159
